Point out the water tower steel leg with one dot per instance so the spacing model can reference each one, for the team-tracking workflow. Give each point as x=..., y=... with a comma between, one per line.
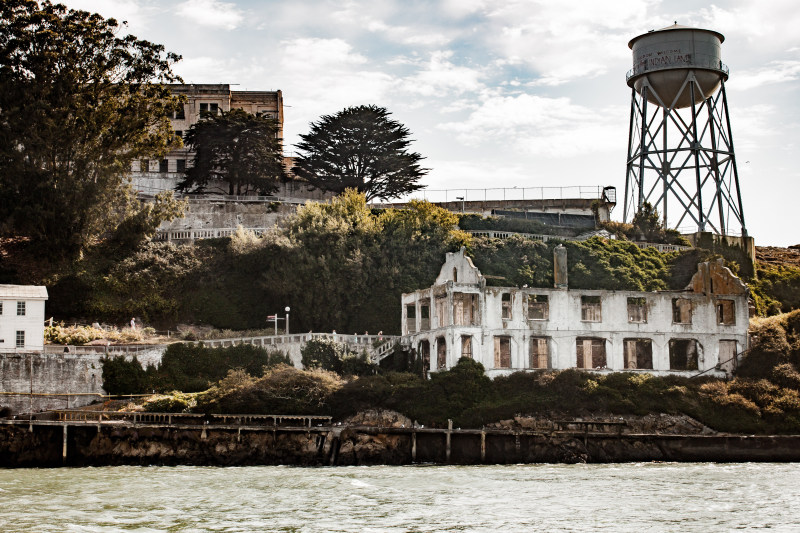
x=696, y=150
x=733, y=158
x=642, y=150
x=630, y=155
x=714, y=162
x=664, y=166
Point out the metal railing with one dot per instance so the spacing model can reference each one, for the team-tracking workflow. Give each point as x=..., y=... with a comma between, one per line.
x=698, y=61
x=507, y=193
x=205, y=233
x=372, y=343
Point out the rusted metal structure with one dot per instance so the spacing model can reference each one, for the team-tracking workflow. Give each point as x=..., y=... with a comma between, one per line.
x=680, y=148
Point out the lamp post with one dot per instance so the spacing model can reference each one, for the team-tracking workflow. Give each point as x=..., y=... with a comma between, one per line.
x=287, y=318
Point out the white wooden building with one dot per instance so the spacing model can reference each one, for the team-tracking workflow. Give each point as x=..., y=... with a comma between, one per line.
x=22, y=318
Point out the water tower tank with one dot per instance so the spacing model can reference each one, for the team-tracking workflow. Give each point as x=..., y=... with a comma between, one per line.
x=664, y=57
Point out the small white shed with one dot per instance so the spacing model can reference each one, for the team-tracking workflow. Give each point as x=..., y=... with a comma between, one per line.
x=22, y=317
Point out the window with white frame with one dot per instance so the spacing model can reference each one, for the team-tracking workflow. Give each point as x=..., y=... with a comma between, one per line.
x=20, y=340
x=20, y=308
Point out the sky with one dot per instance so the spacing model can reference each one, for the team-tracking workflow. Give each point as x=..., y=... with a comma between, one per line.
x=497, y=93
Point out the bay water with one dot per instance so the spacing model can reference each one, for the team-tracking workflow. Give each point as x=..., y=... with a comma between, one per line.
x=621, y=497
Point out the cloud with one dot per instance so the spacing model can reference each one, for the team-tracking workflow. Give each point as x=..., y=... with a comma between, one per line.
x=439, y=77
x=775, y=72
x=541, y=126
x=211, y=13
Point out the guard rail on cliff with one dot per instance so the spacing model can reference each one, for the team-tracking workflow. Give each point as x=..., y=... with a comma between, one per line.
x=373, y=344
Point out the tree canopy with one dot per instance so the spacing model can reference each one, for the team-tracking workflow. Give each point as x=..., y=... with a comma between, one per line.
x=238, y=148
x=79, y=101
x=360, y=148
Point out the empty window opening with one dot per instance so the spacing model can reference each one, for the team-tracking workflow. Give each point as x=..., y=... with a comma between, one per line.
x=20, y=339
x=539, y=353
x=683, y=354
x=21, y=309
x=180, y=113
x=441, y=312
x=180, y=165
x=681, y=311
x=591, y=352
x=506, y=306
x=465, y=309
x=726, y=312
x=144, y=165
x=466, y=346
x=638, y=354
x=455, y=275
x=209, y=108
x=441, y=354
x=538, y=307
x=163, y=165
x=411, y=318
x=425, y=354
x=727, y=356
x=424, y=317
x=591, y=310
x=502, y=352
x=637, y=310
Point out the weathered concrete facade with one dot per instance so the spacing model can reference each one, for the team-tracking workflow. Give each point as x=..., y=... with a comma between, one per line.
x=508, y=329
x=150, y=176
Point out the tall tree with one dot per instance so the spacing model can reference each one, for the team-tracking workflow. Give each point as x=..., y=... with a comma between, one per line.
x=79, y=101
x=238, y=148
x=360, y=148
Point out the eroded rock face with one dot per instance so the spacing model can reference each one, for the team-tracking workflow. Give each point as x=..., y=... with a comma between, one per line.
x=661, y=424
x=380, y=418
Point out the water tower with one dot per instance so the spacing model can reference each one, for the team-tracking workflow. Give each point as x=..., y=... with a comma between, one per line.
x=680, y=148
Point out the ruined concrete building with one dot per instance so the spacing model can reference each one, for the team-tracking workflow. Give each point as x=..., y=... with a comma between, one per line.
x=701, y=328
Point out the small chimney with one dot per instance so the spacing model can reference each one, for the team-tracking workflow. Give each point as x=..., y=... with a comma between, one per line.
x=560, y=267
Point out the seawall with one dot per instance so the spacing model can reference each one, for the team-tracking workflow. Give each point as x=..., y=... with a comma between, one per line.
x=54, y=443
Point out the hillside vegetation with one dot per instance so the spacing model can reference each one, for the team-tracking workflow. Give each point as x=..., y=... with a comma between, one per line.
x=342, y=266
x=763, y=397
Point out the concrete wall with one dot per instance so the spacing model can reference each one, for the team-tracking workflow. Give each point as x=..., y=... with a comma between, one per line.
x=61, y=380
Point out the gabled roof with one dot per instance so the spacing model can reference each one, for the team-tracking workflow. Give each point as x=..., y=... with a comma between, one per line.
x=23, y=292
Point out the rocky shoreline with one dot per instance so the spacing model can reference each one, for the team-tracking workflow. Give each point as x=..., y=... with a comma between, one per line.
x=385, y=439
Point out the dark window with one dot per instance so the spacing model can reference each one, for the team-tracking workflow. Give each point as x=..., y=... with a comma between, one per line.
x=506, y=305
x=144, y=166
x=726, y=312
x=455, y=275
x=21, y=309
x=591, y=352
x=411, y=318
x=466, y=346
x=538, y=307
x=425, y=317
x=502, y=352
x=425, y=354
x=539, y=353
x=163, y=165
x=638, y=354
x=209, y=108
x=1, y=308
x=20, y=339
x=591, y=310
x=637, y=310
x=681, y=311
x=441, y=353
x=180, y=113
x=683, y=354
x=180, y=165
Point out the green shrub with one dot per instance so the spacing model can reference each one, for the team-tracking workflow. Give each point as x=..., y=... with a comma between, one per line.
x=122, y=377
